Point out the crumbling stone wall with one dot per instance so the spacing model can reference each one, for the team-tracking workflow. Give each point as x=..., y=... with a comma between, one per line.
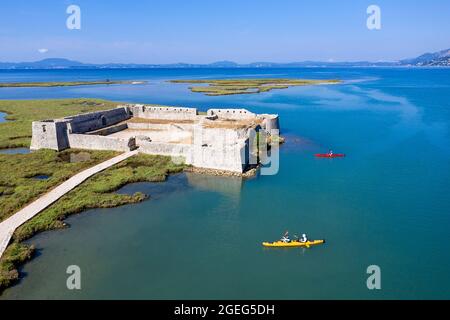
x=231, y=113
x=158, y=112
x=49, y=134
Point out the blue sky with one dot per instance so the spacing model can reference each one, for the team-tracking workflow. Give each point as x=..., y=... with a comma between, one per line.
x=244, y=31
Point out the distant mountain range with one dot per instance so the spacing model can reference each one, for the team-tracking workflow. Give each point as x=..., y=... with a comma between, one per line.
x=441, y=58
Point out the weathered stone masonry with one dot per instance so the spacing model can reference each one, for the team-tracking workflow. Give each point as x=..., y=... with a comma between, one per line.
x=217, y=140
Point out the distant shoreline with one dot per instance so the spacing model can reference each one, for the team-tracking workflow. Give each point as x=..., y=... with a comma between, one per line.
x=6, y=70
x=64, y=83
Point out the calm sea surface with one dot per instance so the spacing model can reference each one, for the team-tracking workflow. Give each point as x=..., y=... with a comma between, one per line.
x=387, y=203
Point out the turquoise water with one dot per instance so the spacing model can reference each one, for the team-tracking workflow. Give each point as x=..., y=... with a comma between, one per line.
x=386, y=203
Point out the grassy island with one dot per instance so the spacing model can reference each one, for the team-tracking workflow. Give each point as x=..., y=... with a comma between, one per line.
x=247, y=86
x=64, y=83
x=25, y=177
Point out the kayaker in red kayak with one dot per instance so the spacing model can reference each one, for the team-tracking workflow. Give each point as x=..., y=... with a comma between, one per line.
x=330, y=154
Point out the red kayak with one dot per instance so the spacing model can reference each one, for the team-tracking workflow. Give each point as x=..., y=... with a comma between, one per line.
x=327, y=155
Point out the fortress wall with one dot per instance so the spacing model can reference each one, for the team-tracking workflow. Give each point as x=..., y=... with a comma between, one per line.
x=148, y=126
x=220, y=148
x=181, y=137
x=167, y=113
x=218, y=136
x=83, y=141
x=49, y=134
x=160, y=126
x=96, y=120
x=270, y=122
x=167, y=149
x=231, y=158
x=235, y=114
x=109, y=130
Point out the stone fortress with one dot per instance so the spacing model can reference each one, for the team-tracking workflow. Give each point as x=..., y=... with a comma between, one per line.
x=219, y=139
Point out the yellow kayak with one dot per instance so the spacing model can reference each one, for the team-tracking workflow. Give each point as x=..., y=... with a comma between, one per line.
x=294, y=243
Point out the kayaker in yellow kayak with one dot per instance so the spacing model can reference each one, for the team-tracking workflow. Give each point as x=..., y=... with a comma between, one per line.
x=285, y=241
x=303, y=239
x=285, y=237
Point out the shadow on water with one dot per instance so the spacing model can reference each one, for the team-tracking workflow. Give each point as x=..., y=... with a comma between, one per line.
x=296, y=143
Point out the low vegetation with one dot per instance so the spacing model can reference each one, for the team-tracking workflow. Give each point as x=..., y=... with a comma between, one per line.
x=16, y=131
x=64, y=83
x=247, y=86
x=15, y=255
x=18, y=185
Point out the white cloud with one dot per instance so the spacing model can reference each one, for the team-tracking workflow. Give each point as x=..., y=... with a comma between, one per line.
x=43, y=50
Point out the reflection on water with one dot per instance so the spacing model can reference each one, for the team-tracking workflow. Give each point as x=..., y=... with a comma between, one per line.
x=2, y=117
x=230, y=186
x=221, y=184
x=15, y=151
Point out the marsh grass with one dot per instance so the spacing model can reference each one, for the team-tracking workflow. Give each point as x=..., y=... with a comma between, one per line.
x=63, y=83
x=248, y=86
x=18, y=186
x=15, y=255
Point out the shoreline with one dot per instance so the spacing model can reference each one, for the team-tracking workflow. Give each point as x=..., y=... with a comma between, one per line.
x=66, y=83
